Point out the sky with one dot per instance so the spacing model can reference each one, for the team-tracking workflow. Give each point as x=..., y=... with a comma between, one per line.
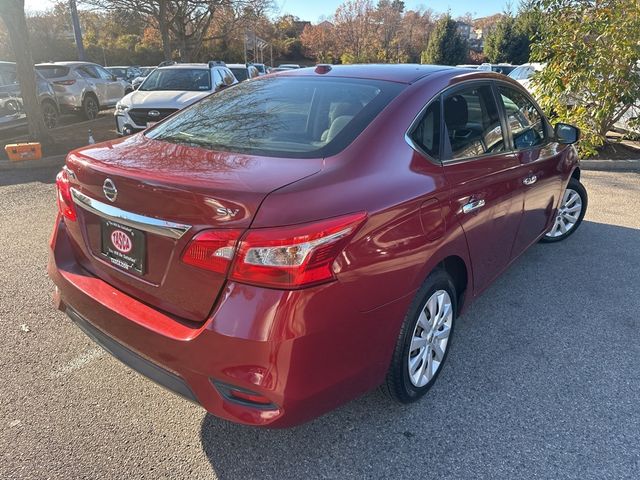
x=312, y=10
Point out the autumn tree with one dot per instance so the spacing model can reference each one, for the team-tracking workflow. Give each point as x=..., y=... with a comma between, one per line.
x=319, y=41
x=355, y=31
x=388, y=17
x=12, y=14
x=446, y=46
x=591, y=51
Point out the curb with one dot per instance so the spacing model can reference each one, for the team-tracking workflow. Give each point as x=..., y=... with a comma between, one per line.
x=53, y=161
x=630, y=165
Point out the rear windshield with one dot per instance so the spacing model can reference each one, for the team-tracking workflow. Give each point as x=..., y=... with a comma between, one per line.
x=281, y=116
x=240, y=73
x=118, y=72
x=53, y=71
x=184, y=79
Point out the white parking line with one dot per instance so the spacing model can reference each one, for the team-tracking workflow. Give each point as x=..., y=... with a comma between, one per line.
x=79, y=362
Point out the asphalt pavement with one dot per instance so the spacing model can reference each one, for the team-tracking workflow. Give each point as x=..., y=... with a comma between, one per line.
x=542, y=382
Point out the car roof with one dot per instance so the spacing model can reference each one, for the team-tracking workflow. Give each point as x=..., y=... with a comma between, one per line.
x=238, y=65
x=118, y=66
x=191, y=66
x=65, y=64
x=401, y=73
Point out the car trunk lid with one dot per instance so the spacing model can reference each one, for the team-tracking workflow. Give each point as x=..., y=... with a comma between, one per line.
x=156, y=197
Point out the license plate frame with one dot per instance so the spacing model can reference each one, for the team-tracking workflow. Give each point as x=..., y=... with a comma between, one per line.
x=123, y=247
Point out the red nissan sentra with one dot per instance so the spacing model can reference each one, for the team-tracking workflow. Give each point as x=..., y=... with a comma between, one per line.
x=283, y=246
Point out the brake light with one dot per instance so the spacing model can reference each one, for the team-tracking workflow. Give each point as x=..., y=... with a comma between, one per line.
x=65, y=202
x=212, y=250
x=64, y=82
x=295, y=256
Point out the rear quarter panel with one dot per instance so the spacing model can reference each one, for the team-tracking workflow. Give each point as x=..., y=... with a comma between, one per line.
x=379, y=173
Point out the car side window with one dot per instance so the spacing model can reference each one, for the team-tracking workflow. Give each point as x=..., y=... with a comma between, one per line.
x=526, y=123
x=87, y=72
x=228, y=77
x=218, y=81
x=104, y=74
x=427, y=133
x=472, y=124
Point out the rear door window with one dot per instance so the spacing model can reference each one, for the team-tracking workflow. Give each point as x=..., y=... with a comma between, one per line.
x=472, y=124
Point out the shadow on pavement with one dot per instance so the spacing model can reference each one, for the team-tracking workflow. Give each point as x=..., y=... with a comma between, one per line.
x=542, y=382
x=20, y=176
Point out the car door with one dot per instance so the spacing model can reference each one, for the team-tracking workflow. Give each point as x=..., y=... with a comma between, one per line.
x=115, y=88
x=483, y=176
x=539, y=156
x=95, y=83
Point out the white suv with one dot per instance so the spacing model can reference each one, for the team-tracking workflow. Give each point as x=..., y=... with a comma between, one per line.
x=167, y=90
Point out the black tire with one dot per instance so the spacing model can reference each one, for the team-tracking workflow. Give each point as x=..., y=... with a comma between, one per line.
x=50, y=114
x=398, y=384
x=576, y=186
x=90, y=107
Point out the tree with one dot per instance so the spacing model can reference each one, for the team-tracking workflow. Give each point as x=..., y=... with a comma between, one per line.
x=510, y=40
x=12, y=14
x=446, y=46
x=319, y=41
x=355, y=30
x=591, y=50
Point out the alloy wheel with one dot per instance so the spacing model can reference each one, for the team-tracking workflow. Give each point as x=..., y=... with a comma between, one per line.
x=567, y=215
x=430, y=338
x=50, y=115
x=91, y=108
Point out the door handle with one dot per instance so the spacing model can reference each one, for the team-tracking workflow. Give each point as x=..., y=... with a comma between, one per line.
x=471, y=206
x=530, y=180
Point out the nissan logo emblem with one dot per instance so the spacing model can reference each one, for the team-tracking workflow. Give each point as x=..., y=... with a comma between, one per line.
x=154, y=113
x=109, y=189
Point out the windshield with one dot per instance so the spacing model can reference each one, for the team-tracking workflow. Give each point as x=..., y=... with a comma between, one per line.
x=240, y=73
x=53, y=71
x=522, y=73
x=184, y=79
x=144, y=71
x=281, y=116
x=260, y=67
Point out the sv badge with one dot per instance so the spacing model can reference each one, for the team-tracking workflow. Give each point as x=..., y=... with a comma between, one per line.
x=227, y=212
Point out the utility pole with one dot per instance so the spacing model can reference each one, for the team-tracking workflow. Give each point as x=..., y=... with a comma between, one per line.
x=76, y=29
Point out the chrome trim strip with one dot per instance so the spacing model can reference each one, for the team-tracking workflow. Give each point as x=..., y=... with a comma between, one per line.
x=133, y=220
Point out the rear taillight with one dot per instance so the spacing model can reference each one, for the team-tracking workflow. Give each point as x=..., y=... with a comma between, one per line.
x=212, y=250
x=282, y=257
x=65, y=202
x=64, y=82
x=295, y=256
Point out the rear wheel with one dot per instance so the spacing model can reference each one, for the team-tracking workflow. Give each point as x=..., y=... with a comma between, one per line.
x=50, y=114
x=424, y=340
x=570, y=212
x=90, y=107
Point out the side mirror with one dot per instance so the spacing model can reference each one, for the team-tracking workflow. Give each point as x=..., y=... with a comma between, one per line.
x=567, y=134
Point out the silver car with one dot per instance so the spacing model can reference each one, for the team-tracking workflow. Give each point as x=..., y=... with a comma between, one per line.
x=11, y=106
x=84, y=87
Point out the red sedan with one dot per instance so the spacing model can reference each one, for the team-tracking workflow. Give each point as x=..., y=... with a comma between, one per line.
x=281, y=247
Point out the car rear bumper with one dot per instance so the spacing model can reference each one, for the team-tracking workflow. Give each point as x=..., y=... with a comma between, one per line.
x=302, y=351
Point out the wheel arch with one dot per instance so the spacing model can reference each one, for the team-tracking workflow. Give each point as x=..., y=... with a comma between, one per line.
x=576, y=173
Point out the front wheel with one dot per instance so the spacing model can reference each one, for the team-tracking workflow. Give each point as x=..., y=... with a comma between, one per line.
x=90, y=107
x=424, y=340
x=570, y=212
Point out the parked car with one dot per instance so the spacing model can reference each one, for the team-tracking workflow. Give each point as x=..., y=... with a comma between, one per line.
x=290, y=243
x=144, y=73
x=289, y=65
x=168, y=89
x=524, y=73
x=12, y=112
x=84, y=87
x=243, y=72
x=124, y=73
x=262, y=68
x=503, y=68
x=278, y=69
x=473, y=66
